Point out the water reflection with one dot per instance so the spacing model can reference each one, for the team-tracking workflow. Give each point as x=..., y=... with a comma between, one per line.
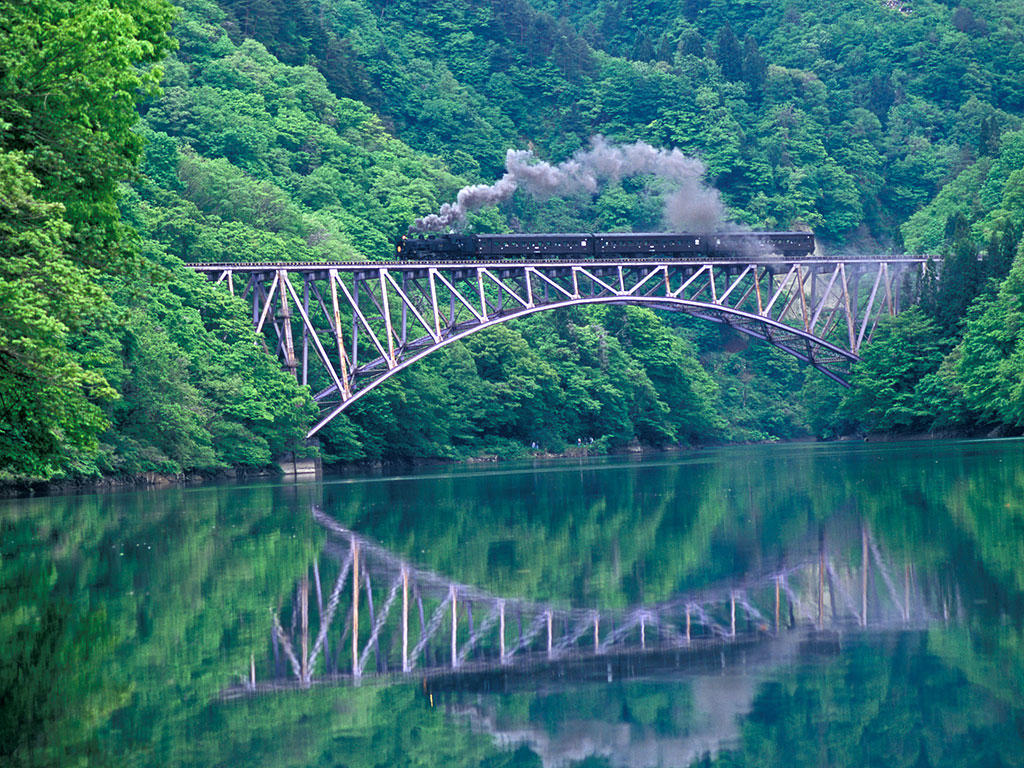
x=899, y=641
x=467, y=637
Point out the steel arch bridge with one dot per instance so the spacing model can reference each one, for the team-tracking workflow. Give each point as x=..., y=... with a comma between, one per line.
x=359, y=323
x=364, y=612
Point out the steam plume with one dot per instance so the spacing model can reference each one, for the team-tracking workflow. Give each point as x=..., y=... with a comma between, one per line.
x=690, y=206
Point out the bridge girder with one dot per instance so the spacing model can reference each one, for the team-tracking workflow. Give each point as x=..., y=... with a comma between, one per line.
x=362, y=323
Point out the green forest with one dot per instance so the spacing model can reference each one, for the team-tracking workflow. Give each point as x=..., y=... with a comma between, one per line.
x=139, y=135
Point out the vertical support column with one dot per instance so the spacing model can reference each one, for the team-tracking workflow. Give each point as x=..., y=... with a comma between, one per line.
x=855, y=290
x=431, y=278
x=455, y=626
x=276, y=642
x=813, y=299
x=549, y=632
x=342, y=358
x=863, y=576
x=501, y=631
x=305, y=330
x=405, y=619
x=687, y=624
x=405, y=310
x=385, y=310
x=320, y=614
x=257, y=291
x=355, y=322
x=906, y=592
x=778, y=580
x=821, y=584
x=643, y=629
x=252, y=670
x=286, y=320
x=801, y=281
x=355, y=608
x=597, y=633
x=732, y=614
x=304, y=613
x=851, y=322
x=484, y=309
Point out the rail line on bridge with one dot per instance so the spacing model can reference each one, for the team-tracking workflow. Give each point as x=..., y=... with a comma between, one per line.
x=359, y=323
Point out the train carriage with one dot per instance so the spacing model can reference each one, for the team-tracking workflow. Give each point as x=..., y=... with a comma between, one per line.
x=649, y=244
x=614, y=245
x=542, y=246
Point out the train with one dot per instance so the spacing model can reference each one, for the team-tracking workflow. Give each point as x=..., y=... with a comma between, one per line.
x=590, y=246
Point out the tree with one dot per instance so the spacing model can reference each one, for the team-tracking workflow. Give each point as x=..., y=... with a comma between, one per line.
x=990, y=361
x=48, y=399
x=729, y=53
x=71, y=74
x=755, y=67
x=883, y=394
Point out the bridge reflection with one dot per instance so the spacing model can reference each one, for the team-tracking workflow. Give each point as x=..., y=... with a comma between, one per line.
x=363, y=612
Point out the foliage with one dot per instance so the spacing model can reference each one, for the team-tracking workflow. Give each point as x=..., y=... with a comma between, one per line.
x=70, y=76
x=48, y=399
x=991, y=353
x=113, y=357
x=884, y=389
x=55, y=693
x=306, y=130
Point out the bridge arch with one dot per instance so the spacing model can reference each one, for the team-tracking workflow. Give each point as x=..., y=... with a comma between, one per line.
x=363, y=323
x=749, y=325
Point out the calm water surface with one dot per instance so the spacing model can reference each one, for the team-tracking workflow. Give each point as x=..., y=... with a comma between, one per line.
x=779, y=605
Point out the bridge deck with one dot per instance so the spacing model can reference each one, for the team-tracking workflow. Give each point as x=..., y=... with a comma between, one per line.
x=315, y=266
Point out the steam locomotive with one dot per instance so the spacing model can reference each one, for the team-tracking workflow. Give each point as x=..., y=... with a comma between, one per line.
x=591, y=246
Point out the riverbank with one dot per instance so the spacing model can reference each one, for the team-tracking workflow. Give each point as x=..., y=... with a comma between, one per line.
x=17, y=488
x=24, y=487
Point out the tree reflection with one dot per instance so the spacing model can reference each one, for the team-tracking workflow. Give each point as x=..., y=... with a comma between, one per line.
x=124, y=616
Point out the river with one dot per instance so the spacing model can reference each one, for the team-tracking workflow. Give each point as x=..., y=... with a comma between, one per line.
x=827, y=604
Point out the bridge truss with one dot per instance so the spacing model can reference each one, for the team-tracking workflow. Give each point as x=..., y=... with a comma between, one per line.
x=360, y=323
x=365, y=612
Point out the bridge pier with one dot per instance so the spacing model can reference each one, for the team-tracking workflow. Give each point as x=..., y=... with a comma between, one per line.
x=299, y=467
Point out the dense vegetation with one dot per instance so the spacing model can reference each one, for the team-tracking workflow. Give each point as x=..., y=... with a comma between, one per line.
x=305, y=129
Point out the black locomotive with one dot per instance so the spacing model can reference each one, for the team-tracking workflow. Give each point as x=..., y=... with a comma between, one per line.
x=597, y=246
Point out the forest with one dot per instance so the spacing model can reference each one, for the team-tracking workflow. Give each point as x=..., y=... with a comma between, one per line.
x=139, y=135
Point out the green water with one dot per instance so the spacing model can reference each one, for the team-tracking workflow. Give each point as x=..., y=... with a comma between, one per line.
x=133, y=625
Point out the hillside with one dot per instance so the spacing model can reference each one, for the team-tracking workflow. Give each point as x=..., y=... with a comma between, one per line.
x=299, y=129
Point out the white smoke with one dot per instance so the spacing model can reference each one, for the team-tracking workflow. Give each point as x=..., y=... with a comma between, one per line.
x=690, y=205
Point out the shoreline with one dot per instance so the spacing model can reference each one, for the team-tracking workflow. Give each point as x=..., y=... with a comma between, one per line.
x=23, y=489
